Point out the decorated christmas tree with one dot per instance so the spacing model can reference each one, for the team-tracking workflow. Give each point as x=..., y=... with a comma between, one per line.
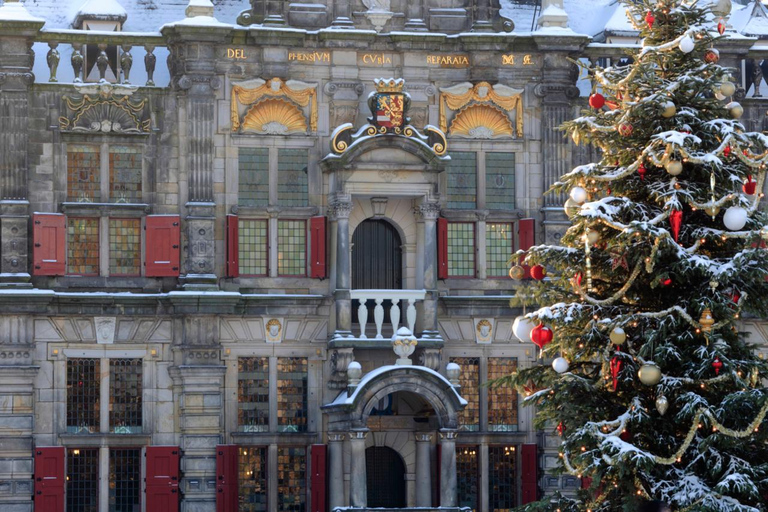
x=656, y=393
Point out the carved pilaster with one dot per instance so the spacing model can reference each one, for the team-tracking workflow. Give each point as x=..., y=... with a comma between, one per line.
x=430, y=357
x=344, y=100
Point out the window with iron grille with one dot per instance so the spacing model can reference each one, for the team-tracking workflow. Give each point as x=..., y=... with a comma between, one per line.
x=83, y=395
x=124, y=479
x=125, y=396
x=124, y=247
x=462, y=180
x=82, y=485
x=502, y=480
x=83, y=246
x=292, y=177
x=502, y=400
x=461, y=249
x=253, y=394
x=125, y=174
x=253, y=252
x=467, y=476
x=291, y=479
x=292, y=248
x=83, y=173
x=292, y=394
x=253, y=164
x=500, y=181
x=499, y=246
x=469, y=379
x=252, y=479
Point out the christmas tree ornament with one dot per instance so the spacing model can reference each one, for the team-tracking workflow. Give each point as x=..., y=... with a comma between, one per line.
x=717, y=364
x=736, y=109
x=727, y=89
x=571, y=208
x=735, y=296
x=721, y=26
x=560, y=429
x=649, y=374
x=560, y=365
x=706, y=320
x=676, y=221
x=538, y=272
x=576, y=136
x=579, y=194
x=541, y=335
x=625, y=129
x=618, y=336
x=674, y=167
x=735, y=218
x=666, y=282
x=750, y=186
x=596, y=100
x=615, y=365
x=712, y=211
x=649, y=19
x=712, y=56
x=641, y=171
x=522, y=328
x=686, y=44
x=517, y=272
x=727, y=151
x=662, y=404
x=668, y=109
x=719, y=96
x=764, y=233
x=593, y=237
x=625, y=436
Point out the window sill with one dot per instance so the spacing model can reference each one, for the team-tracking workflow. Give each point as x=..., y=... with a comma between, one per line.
x=282, y=212
x=282, y=438
x=104, y=209
x=99, y=439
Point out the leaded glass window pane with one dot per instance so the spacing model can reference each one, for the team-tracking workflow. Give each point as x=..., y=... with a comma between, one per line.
x=252, y=479
x=253, y=165
x=502, y=481
x=292, y=394
x=83, y=479
x=125, y=174
x=124, y=247
x=124, y=480
x=468, y=476
x=502, y=400
x=253, y=394
x=253, y=251
x=499, y=247
x=461, y=249
x=83, y=173
x=500, y=181
x=469, y=379
x=291, y=479
x=83, y=246
x=83, y=395
x=125, y=396
x=292, y=177
x=462, y=180
x=292, y=248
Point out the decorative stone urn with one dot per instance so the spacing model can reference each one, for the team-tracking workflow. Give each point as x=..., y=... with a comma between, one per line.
x=404, y=344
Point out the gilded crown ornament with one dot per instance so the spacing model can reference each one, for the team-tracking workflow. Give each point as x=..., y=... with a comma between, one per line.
x=389, y=84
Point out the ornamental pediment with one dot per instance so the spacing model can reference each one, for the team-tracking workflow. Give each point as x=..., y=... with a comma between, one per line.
x=273, y=107
x=105, y=108
x=481, y=111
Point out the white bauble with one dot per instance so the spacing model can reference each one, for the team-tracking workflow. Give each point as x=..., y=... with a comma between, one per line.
x=571, y=208
x=618, y=336
x=674, y=167
x=686, y=44
x=719, y=96
x=735, y=218
x=593, y=237
x=579, y=194
x=522, y=328
x=560, y=365
x=662, y=404
x=668, y=109
x=649, y=374
x=736, y=109
x=727, y=88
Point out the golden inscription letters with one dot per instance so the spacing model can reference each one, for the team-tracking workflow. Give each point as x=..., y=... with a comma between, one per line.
x=508, y=60
x=448, y=61
x=376, y=59
x=511, y=60
x=235, y=53
x=309, y=56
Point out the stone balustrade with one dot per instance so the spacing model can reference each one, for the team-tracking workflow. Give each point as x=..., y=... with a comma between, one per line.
x=400, y=299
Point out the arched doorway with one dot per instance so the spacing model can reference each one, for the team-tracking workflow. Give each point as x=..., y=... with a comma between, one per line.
x=385, y=477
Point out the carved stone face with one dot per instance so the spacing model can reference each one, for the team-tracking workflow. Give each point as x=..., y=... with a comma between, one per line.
x=274, y=330
x=485, y=330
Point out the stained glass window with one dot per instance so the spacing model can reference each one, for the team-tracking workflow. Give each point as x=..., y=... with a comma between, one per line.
x=291, y=479
x=498, y=248
x=83, y=246
x=500, y=181
x=462, y=180
x=469, y=379
x=292, y=177
x=83, y=172
x=502, y=400
x=252, y=479
x=502, y=481
x=83, y=479
x=467, y=476
x=124, y=247
x=125, y=174
x=124, y=480
x=292, y=248
x=292, y=394
x=253, y=247
x=125, y=396
x=83, y=395
x=253, y=394
x=253, y=166
x=461, y=249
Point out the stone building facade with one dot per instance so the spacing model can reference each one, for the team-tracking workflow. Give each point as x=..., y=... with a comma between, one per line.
x=205, y=264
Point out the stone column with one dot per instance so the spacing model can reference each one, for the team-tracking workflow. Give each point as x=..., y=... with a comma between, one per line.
x=339, y=211
x=423, y=470
x=358, y=490
x=429, y=213
x=342, y=11
x=448, y=481
x=336, y=470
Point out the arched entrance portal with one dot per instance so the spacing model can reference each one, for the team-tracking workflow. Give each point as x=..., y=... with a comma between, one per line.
x=385, y=475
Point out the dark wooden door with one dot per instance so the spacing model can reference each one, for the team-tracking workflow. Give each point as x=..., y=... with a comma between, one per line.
x=385, y=477
x=377, y=263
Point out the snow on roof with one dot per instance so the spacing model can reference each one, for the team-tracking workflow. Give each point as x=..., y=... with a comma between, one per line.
x=750, y=20
x=619, y=21
x=102, y=9
x=584, y=16
x=16, y=12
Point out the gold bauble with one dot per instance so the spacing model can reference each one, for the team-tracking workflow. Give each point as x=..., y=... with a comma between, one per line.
x=618, y=336
x=593, y=237
x=571, y=208
x=727, y=88
x=649, y=374
x=706, y=320
x=668, y=109
x=517, y=272
x=674, y=167
x=712, y=211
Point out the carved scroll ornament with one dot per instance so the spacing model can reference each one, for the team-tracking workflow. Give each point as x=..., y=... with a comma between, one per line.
x=250, y=94
x=106, y=115
x=460, y=96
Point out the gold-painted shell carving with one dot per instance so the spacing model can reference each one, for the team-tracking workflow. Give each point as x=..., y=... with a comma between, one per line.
x=481, y=122
x=274, y=117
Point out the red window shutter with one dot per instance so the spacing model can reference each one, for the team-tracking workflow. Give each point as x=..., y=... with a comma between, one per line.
x=162, y=470
x=49, y=235
x=163, y=239
x=49, y=479
x=318, y=453
x=525, y=233
x=226, y=478
x=317, y=250
x=442, y=248
x=530, y=479
x=233, y=247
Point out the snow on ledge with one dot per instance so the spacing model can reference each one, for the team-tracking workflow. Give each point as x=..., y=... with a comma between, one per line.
x=15, y=11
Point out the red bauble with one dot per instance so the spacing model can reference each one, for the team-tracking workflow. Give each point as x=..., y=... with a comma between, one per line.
x=649, y=19
x=616, y=365
x=596, y=100
x=541, y=335
x=727, y=151
x=676, y=220
x=641, y=171
x=578, y=278
x=750, y=186
x=717, y=364
x=625, y=129
x=735, y=296
x=538, y=272
x=666, y=282
x=712, y=56
x=721, y=26
x=560, y=429
x=625, y=436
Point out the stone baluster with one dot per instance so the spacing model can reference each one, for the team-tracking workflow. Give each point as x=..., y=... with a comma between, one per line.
x=102, y=61
x=448, y=480
x=358, y=490
x=77, y=64
x=126, y=63
x=410, y=314
x=378, y=317
x=423, y=470
x=339, y=211
x=53, y=59
x=362, y=317
x=150, y=60
x=394, y=315
x=336, y=470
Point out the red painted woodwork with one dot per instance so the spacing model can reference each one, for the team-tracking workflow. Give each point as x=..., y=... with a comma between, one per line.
x=233, y=247
x=530, y=478
x=526, y=229
x=318, y=456
x=163, y=239
x=317, y=249
x=226, y=478
x=162, y=470
x=49, y=233
x=442, y=248
x=49, y=479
